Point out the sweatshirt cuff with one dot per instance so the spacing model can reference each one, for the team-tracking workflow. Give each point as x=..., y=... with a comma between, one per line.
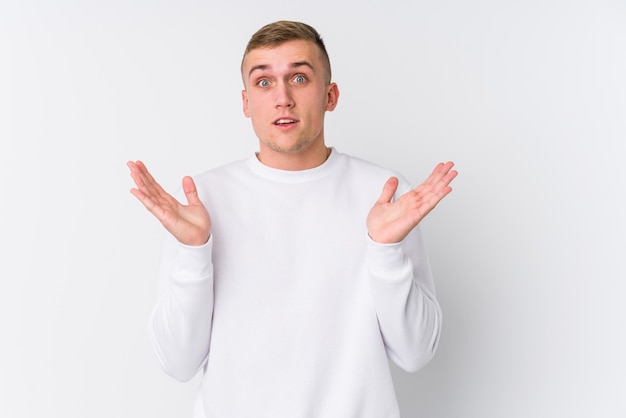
x=194, y=262
x=387, y=262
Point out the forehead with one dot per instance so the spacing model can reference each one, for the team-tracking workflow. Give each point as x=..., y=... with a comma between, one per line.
x=283, y=55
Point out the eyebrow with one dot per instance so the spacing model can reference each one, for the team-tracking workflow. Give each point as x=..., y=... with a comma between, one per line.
x=296, y=64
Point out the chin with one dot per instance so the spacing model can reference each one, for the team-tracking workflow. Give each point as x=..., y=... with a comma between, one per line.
x=288, y=147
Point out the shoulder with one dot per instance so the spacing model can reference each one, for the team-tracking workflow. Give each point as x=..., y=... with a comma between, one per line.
x=215, y=179
x=358, y=163
x=233, y=168
x=370, y=172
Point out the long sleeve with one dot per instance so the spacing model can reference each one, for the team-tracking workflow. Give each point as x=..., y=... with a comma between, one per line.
x=180, y=325
x=408, y=313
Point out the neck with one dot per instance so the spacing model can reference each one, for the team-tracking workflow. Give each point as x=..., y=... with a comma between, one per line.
x=294, y=161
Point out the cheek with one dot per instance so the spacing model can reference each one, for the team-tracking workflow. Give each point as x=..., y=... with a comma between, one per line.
x=257, y=105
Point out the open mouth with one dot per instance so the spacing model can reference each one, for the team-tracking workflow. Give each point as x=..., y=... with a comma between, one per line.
x=284, y=122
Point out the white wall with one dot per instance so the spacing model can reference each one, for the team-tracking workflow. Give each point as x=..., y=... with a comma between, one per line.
x=528, y=97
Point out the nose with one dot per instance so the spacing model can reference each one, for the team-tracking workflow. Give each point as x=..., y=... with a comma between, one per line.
x=284, y=96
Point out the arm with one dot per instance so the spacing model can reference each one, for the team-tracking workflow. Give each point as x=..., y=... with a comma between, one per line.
x=180, y=325
x=402, y=284
x=408, y=313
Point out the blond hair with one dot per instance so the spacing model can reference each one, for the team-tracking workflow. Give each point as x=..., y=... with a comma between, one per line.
x=277, y=33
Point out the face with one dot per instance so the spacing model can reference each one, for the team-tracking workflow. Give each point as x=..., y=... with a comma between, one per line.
x=286, y=96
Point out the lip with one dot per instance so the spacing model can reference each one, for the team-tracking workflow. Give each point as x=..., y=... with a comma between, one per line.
x=287, y=125
x=275, y=122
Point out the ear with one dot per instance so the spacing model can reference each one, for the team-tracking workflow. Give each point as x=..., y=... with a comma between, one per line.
x=244, y=100
x=332, y=97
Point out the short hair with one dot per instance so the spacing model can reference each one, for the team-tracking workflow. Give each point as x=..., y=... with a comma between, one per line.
x=277, y=33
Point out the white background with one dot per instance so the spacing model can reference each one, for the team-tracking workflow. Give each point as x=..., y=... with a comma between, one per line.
x=527, y=97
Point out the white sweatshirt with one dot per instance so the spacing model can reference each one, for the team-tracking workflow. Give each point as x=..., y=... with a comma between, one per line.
x=290, y=309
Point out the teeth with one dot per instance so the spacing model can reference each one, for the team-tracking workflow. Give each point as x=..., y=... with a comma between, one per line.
x=282, y=121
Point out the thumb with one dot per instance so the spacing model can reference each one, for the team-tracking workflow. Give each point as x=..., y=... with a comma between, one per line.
x=191, y=193
x=390, y=187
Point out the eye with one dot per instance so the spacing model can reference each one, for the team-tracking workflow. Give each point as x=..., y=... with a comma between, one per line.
x=263, y=83
x=299, y=79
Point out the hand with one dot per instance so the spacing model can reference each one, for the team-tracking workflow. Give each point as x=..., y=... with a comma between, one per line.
x=190, y=224
x=390, y=222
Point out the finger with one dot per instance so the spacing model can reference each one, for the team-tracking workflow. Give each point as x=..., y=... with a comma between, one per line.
x=156, y=200
x=138, y=173
x=148, y=203
x=146, y=189
x=148, y=180
x=146, y=183
x=389, y=189
x=137, y=167
x=443, y=184
x=437, y=186
x=441, y=176
x=439, y=191
x=134, y=172
x=439, y=172
x=138, y=179
x=436, y=192
x=451, y=175
x=191, y=192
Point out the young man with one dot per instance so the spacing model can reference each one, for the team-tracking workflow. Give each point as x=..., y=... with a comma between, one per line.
x=310, y=271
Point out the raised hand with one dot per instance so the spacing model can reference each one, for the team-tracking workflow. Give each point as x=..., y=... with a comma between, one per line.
x=390, y=221
x=190, y=224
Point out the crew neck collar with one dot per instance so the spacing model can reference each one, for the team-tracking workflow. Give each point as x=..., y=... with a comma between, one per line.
x=298, y=176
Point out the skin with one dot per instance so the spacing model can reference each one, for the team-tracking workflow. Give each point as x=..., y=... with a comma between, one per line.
x=288, y=83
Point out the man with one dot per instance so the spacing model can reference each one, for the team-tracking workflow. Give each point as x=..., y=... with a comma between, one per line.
x=310, y=270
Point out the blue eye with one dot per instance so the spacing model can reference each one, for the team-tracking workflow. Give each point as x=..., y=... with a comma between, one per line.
x=263, y=83
x=299, y=79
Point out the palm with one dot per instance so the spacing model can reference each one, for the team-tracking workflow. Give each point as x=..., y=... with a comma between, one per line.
x=190, y=224
x=390, y=221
